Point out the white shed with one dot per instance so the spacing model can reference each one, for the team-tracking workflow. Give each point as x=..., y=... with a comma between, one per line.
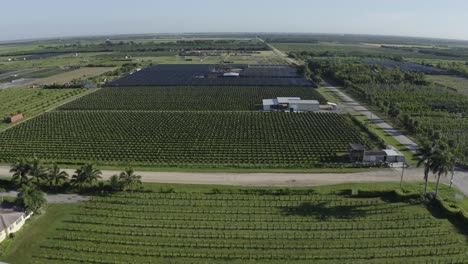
x=268, y=104
x=304, y=105
x=393, y=155
x=231, y=74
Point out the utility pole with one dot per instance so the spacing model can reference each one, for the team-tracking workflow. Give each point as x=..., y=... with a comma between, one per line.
x=402, y=174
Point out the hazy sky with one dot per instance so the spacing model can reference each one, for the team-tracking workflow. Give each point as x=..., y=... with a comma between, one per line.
x=53, y=18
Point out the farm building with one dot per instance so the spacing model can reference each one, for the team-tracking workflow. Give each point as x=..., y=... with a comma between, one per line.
x=231, y=74
x=293, y=104
x=358, y=153
x=11, y=222
x=15, y=118
x=304, y=105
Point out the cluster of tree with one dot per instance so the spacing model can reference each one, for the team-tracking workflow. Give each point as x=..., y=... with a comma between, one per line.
x=445, y=52
x=308, y=55
x=347, y=73
x=68, y=85
x=33, y=177
x=439, y=158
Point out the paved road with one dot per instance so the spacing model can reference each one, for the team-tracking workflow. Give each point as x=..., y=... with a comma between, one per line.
x=353, y=105
x=281, y=54
x=461, y=176
x=19, y=82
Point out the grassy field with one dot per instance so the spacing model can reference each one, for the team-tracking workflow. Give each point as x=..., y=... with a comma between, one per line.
x=217, y=224
x=458, y=83
x=199, y=98
x=335, y=50
x=33, y=101
x=82, y=73
x=181, y=139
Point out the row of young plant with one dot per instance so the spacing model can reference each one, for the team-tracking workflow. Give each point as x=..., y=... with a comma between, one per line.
x=288, y=255
x=256, y=226
x=251, y=234
x=260, y=244
x=202, y=217
x=158, y=138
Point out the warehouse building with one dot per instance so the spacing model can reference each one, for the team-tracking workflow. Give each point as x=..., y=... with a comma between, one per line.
x=304, y=105
x=293, y=104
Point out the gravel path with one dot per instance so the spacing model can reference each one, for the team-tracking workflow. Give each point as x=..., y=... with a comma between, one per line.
x=53, y=198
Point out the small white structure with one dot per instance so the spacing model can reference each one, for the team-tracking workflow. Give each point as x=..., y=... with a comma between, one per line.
x=304, y=105
x=390, y=155
x=332, y=105
x=231, y=74
x=269, y=103
x=11, y=222
x=393, y=155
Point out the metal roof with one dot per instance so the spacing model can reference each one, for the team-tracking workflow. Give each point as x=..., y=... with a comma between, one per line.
x=392, y=152
x=270, y=102
x=8, y=217
x=285, y=100
x=294, y=101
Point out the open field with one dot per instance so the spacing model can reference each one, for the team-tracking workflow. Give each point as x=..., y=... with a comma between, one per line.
x=82, y=73
x=213, y=224
x=458, y=83
x=187, y=98
x=32, y=102
x=219, y=139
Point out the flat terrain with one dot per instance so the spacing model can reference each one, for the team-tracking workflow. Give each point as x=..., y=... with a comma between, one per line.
x=458, y=83
x=33, y=101
x=82, y=73
x=214, y=224
x=187, y=98
x=180, y=139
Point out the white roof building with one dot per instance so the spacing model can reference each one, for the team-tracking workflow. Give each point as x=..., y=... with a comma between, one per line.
x=231, y=74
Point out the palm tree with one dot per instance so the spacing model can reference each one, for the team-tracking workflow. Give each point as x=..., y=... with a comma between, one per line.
x=86, y=175
x=129, y=180
x=37, y=171
x=424, y=155
x=443, y=163
x=20, y=171
x=55, y=176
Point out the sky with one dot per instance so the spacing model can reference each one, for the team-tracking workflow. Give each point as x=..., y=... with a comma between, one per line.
x=28, y=19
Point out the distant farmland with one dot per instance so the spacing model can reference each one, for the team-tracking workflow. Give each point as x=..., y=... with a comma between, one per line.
x=81, y=73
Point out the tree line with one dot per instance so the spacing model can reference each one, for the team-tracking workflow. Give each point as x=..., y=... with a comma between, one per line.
x=33, y=177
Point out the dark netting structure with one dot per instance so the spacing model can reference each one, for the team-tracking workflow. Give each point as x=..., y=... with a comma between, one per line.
x=201, y=74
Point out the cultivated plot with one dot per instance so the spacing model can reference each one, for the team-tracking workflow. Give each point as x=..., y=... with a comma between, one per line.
x=250, y=226
x=187, y=98
x=207, y=139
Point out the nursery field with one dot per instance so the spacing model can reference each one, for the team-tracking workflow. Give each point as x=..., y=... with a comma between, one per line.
x=244, y=226
x=435, y=108
x=187, y=98
x=178, y=139
x=31, y=101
